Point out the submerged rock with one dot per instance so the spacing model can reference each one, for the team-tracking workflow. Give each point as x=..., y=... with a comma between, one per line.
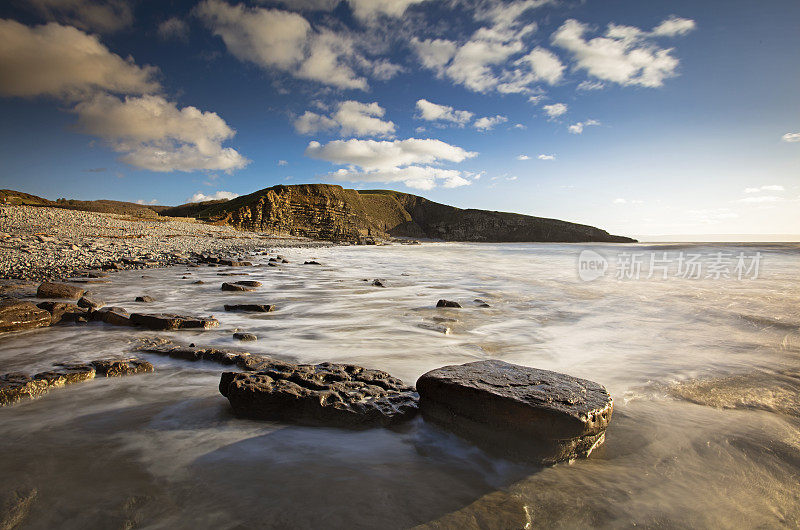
x=120, y=367
x=447, y=303
x=245, y=337
x=17, y=315
x=378, y=283
x=323, y=394
x=522, y=412
x=253, y=308
x=311, y=262
x=236, y=287
x=248, y=283
x=59, y=290
x=165, y=321
x=145, y=299
x=232, y=263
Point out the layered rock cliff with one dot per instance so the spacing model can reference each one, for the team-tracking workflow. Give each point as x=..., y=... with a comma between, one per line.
x=325, y=211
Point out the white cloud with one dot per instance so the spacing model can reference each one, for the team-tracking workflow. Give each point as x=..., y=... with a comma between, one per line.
x=674, y=26
x=489, y=122
x=369, y=10
x=545, y=66
x=523, y=157
x=791, y=137
x=620, y=200
x=92, y=15
x=406, y=161
x=202, y=197
x=173, y=28
x=590, y=85
x=761, y=199
x=546, y=157
x=577, y=128
x=144, y=202
x=625, y=54
x=62, y=61
x=555, y=110
x=772, y=187
x=283, y=163
x=282, y=40
x=351, y=117
x=433, y=112
x=154, y=134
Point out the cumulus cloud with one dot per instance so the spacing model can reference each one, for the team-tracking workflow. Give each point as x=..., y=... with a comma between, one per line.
x=546, y=157
x=555, y=110
x=408, y=161
x=791, y=137
x=433, y=112
x=352, y=118
x=93, y=15
x=523, y=157
x=144, y=202
x=577, y=128
x=283, y=40
x=369, y=10
x=64, y=62
x=771, y=187
x=625, y=54
x=488, y=123
x=153, y=133
x=173, y=28
x=202, y=197
x=761, y=199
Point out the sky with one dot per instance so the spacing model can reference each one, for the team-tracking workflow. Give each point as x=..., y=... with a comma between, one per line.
x=642, y=118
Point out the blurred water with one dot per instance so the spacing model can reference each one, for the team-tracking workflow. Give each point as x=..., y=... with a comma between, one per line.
x=705, y=375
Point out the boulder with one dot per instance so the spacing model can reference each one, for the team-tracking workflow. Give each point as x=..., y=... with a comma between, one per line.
x=248, y=283
x=16, y=315
x=146, y=299
x=59, y=290
x=62, y=312
x=378, y=283
x=165, y=321
x=341, y=395
x=245, y=337
x=522, y=412
x=253, y=308
x=90, y=302
x=447, y=303
x=235, y=287
x=115, y=316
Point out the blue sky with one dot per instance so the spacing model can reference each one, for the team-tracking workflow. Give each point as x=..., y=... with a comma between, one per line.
x=639, y=117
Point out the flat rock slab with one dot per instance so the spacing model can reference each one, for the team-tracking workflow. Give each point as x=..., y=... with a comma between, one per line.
x=236, y=287
x=523, y=412
x=341, y=395
x=17, y=386
x=59, y=290
x=252, y=308
x=16, y=315
x=165, y=321
x=89, y=302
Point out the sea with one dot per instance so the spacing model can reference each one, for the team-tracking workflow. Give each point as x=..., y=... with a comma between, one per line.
x=699, y=345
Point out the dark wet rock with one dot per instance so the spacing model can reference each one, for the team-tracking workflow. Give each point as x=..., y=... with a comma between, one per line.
x=199, y=282
x=92, y=274
x=232, y=263
x=312, y=262
x=245, y=337
x=120, y=367
x=248, y=283
x=90, y=302
x=235, y=287
x=166, y=321
x=194, y=353
x=16, y=506
x=59, y=290
x=115, y=316
x=146, y=299
x=62, y=312
x=521, y=412
x=253, y=308
x=447, y=303
x=81, y=319
x=16, y=315
x=481, y=303
x=273, y=264
x=378, y=282
x=323, y=394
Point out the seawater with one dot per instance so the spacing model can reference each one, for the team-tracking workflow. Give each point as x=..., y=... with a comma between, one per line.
x=705, y=375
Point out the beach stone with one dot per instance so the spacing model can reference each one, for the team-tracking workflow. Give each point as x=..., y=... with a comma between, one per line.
x=248, y=283
x=166, y=321
x=115, y=316
x=378, y=283
x=245, y=337
x=447, y=303
x=59, y=290
x=120, y=367
x=252, y=308
x=195, y=353
x=61, y=311
x=233, y=263
x=17, y=315
x=146, y=299
x=238, y=288
x=341, y=395
x=199, y=282
x=89, y=302
x=273, y=264
x=523, y=412
x=311, y=262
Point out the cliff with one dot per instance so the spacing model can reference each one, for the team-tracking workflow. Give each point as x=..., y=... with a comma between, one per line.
x=325, y=211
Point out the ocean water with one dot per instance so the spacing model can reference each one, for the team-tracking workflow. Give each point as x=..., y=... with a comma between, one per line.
x=704, y=371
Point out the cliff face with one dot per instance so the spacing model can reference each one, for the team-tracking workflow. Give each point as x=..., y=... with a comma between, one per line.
x=326, y=211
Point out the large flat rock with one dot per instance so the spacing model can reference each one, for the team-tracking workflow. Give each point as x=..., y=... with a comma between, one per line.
x=524, y=412
x=164, y=321
x=16, y=315
x=59, y=290
x=340, y=395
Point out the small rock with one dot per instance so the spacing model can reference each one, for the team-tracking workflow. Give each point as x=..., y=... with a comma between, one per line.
x=248, y=283
x=88, y=302
x=199, y=282
x=234, y=287
x=378, y=283
x=447, y=303
x=253, y=308
x=312, y=263
x=245, y=337
x=146, y=299
x=59, y=290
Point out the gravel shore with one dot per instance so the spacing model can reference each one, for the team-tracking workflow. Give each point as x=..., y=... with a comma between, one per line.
x=38, y=243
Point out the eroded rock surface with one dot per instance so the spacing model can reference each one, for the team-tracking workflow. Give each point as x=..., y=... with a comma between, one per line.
x=168, y=322
x=59, y=290
x=322, y=394
x=524, y=412
x=16, y=315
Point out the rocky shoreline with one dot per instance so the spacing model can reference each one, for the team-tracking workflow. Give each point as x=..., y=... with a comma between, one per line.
x=41, y=243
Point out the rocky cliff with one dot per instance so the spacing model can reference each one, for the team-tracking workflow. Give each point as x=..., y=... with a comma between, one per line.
x=325, y=211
